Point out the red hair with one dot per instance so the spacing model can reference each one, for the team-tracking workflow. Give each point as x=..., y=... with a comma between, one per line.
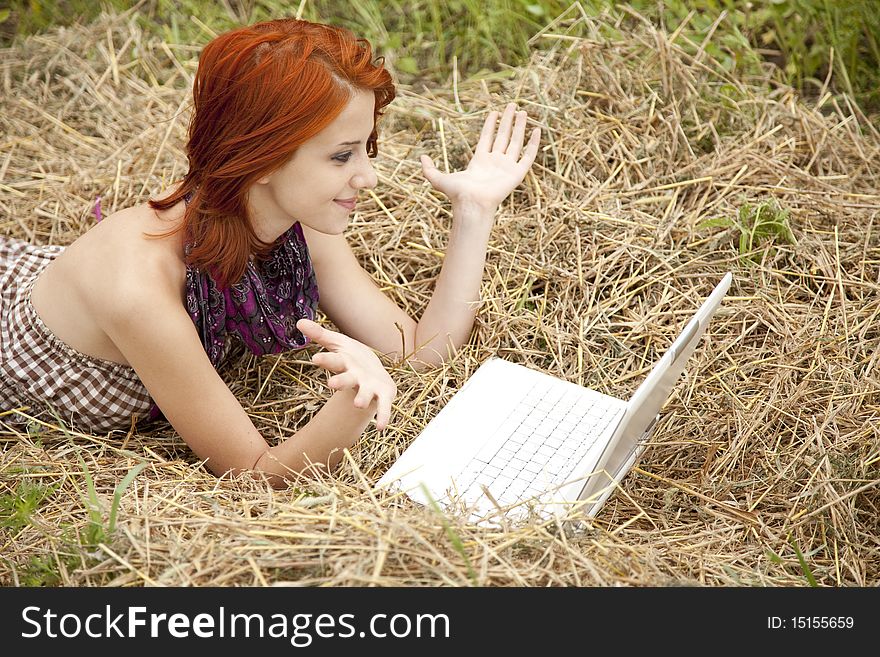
x=261, y=91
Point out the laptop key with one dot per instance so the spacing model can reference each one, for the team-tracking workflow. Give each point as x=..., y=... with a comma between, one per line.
x=532, y=467
x=491, y=447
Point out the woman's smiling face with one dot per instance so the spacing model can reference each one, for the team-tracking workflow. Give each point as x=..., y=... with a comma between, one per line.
x=318, y=186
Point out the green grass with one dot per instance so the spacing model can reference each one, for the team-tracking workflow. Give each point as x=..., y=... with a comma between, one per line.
x=17, y=506
x=100, y=530
x=805, y=568
x=797, y=35
x=422, y=39
x=802, y=563
x=452, y=535
x=40, y=571
x=759, y=225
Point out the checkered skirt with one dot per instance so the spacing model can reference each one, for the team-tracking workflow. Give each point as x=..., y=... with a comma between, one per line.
x=42, y=373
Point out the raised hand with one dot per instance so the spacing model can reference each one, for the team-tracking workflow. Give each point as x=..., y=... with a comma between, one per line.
x=354, y=366
x=499, y=163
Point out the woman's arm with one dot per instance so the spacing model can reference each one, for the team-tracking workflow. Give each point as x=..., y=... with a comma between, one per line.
x=157, y=337
x=498, y=166
x=355, y=304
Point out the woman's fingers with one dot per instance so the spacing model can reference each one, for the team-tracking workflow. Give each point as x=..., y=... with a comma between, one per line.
x=309, y=328
x=516, y=139
x=503, y=136
x=383, y=411
x=382, y=396
x=430, y=171
x=364, y=396
x=329, y=361
x=488, y=130
x=318, y=334
x=382, y=393
x=342, y=381
x=531, y=150
x=511, y=132
x=355, y=367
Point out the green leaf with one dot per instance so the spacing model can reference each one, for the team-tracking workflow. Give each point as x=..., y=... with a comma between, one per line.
x=775, y=558
x=92, y=503
x=454, y=538
x=715, y=222
x=117, y=494
x=804, y=567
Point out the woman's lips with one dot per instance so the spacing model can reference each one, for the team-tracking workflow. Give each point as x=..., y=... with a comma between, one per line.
x=347, y=203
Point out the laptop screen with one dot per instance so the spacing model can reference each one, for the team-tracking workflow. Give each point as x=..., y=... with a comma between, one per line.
x=646, y=402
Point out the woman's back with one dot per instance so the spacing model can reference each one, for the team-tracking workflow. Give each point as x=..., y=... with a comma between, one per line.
x=54, y=304
x=76, y=291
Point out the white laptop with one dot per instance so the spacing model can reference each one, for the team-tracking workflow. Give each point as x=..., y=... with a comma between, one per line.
x=514, y=440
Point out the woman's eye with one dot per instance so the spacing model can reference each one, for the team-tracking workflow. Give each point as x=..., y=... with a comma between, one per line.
x=344, y=157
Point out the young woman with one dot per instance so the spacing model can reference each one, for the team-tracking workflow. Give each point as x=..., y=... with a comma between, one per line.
x=134, y=317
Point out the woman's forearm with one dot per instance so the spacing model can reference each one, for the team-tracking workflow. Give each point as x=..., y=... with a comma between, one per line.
x=500, y=162
x=336, y=426
x=449, y=317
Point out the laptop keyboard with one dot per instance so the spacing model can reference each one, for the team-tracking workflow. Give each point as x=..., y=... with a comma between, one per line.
x=539, y=444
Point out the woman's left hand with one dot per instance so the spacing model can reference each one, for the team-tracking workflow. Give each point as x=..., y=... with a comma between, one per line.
x=499, y=163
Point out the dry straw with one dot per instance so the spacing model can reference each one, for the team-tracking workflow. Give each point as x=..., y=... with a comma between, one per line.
x=765, y=467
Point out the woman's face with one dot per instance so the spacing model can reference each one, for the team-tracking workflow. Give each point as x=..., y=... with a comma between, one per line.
x=319, y=184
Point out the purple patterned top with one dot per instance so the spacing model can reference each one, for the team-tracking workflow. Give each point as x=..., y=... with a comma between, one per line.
x=262, y=308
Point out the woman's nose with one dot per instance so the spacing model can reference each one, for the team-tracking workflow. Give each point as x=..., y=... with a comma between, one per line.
x=365, y=178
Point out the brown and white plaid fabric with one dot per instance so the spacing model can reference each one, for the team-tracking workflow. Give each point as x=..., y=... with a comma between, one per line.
x=41, y=372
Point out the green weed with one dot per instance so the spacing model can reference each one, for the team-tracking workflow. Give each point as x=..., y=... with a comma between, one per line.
x=16, y=510
x=453, y=536
x=100, y=530
x=805, y=568
x=41, y=570
x=797, y=35
x=759, y=224
x=422, y=38
x=802, y=562
x=16, y=507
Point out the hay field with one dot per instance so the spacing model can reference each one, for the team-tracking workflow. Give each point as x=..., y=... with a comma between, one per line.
x=764, y=470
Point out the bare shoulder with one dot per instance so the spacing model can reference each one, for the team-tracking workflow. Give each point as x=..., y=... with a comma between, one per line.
x=99, y=274
x=141, y=259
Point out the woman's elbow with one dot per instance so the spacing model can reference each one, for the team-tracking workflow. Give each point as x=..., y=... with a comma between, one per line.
x=432, y=355
x=267, y=467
